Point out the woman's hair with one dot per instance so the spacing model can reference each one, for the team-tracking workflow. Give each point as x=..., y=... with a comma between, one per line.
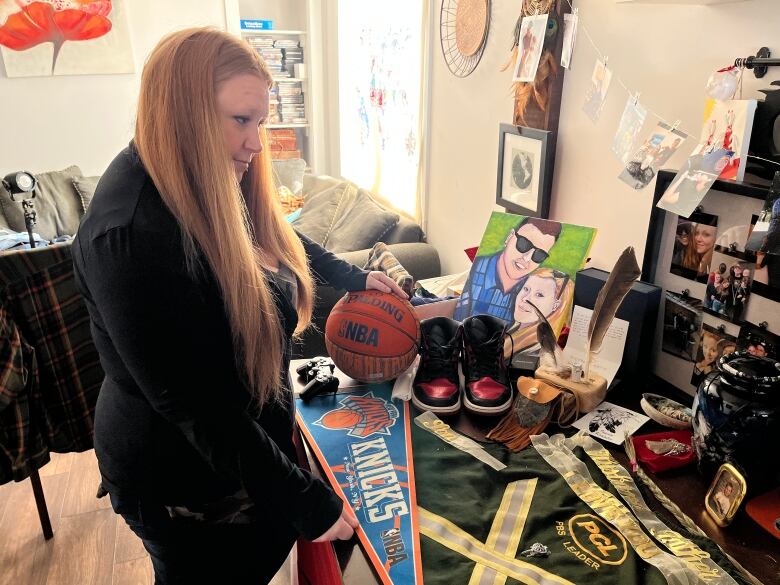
x=525, y=337
x=691, y=258
x=684, y=228
x=235, y=228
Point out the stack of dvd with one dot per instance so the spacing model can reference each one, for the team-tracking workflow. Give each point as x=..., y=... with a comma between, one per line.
x=273, y=56
x=291, y=105
x=292, y=54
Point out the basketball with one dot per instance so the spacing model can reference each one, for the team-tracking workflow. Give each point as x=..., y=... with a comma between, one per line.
x=340, y=419
x=372, y=336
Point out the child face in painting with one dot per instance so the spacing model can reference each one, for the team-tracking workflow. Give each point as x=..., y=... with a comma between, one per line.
x=704, y=238
x=709, y=348
x=541, y=292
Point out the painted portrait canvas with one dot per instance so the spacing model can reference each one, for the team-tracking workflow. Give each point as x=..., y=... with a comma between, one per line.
x=64, y=37
x=520, y=260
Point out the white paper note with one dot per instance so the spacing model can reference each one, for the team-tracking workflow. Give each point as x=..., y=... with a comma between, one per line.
x=611, y=422
x=607, y=361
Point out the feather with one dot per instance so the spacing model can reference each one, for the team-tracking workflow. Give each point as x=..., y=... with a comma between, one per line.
x=623, y=275
x=550, y=356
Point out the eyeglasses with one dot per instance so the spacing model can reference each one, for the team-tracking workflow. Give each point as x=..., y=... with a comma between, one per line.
x=523, y=244
x=558, y=274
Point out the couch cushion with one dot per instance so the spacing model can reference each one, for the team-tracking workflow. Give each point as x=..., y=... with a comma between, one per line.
x=363, y=224
x=57, y=205
x=85, y=187
x=319, y=212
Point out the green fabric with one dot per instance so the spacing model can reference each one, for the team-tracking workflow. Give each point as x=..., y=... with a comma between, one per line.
x=57, y=205
x=454, y=485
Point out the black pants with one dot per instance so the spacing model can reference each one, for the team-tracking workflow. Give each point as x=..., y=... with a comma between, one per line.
x=188, y=552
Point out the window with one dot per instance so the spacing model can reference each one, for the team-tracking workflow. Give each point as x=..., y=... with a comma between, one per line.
x=381, y=60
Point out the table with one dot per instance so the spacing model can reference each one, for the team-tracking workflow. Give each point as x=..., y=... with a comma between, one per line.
x=744, y=540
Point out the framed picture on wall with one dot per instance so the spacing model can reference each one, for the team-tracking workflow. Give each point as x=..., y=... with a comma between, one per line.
x=524, y=177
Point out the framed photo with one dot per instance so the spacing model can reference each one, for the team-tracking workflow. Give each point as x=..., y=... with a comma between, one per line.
x=725, y=494
x=525, y=166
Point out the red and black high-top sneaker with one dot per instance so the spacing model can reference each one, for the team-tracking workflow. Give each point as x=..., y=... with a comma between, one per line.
x=437, y=385
x=487, y=389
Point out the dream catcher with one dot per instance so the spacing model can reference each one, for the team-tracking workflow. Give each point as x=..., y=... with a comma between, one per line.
x=537, y=104
x=464, y=29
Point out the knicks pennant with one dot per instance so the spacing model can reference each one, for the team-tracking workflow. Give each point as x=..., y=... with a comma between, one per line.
x=363, y=442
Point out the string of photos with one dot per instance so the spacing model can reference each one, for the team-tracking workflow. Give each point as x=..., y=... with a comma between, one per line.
x=721, y=149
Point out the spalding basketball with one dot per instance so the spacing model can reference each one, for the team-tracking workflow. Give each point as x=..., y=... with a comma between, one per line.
x=372, y=336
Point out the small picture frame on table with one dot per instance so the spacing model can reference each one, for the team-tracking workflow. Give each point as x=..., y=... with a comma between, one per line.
x=725, y=494
x=524, y=178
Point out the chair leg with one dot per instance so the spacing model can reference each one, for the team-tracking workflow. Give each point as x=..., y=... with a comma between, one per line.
x=40, y=503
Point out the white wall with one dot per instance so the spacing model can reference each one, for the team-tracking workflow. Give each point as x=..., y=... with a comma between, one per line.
x=48, y=123
x=666, y=52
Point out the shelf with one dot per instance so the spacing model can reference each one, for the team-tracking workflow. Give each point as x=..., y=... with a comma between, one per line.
x=286, y=125
x=263, y=33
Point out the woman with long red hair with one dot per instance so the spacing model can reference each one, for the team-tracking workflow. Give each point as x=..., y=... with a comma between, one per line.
x=196, y=286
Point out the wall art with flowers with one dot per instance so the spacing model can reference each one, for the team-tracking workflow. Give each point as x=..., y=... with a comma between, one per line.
x=64, y=37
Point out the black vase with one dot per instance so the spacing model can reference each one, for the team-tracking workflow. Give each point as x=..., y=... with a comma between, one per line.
x=736, y=418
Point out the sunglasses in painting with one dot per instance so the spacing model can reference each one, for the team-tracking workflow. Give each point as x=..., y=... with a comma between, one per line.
x=523, y=244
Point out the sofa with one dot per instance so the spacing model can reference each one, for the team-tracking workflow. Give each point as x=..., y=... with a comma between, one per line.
x=336, y=213
x=348, y=221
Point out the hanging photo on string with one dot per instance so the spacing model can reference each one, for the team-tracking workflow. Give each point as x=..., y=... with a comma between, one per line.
x=631, y=124
x=726, y=136
x=662, y=143
x=691, y=184
x=529, y=47
x=570, y=22
x=597, y=92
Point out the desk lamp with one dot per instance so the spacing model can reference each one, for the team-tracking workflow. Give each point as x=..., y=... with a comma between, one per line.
x=21, y=186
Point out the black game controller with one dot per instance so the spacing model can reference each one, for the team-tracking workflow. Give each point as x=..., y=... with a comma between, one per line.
x=319, y=378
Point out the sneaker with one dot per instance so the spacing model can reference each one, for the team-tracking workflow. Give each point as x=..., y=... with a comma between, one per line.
x=437, y=385
x=487, y=388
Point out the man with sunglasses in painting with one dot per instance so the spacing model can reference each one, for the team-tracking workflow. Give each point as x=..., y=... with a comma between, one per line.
x=495, y=279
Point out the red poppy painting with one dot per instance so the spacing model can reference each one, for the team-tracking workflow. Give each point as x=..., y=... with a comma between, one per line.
x=64, y=36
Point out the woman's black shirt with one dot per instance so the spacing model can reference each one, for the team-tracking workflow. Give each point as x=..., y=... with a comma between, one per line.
x=174, y=421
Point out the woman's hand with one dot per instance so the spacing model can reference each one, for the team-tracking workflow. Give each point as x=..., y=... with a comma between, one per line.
x=343, y=528
x=378, y=280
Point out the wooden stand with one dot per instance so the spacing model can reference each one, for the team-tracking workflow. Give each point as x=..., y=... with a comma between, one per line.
x=589, y=394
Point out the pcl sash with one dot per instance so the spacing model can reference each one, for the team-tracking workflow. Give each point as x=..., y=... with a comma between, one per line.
x=363, y=443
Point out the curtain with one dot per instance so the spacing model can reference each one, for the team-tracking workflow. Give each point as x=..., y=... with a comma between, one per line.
x=382, y=96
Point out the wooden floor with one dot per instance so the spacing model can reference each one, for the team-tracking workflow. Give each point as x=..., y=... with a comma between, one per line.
x=91, y=544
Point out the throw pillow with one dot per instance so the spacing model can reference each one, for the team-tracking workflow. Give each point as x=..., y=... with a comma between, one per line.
x=319, y=212
x=289, y=173
x=381, y=258
x=361, y=225
x=85, y=187
x=58, y=207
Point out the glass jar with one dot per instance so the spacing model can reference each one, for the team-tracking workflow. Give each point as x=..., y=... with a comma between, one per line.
x=736, y=417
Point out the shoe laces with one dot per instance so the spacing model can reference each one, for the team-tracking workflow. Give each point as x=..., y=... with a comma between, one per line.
x=487, y=358
x=440, y=360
